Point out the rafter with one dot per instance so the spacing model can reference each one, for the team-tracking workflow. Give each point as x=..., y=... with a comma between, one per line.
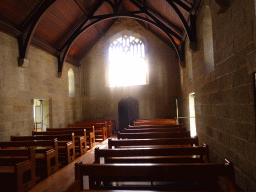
x=29, y=27
x=182, y=5
x=191, y=36
x=64, y=52
x=168, y=24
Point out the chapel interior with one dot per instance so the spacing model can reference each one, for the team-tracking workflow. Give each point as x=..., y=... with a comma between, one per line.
x=58, y=62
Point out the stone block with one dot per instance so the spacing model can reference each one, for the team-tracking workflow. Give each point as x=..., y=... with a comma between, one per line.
x=216, y=98
x=227, y=96
x=243, y=94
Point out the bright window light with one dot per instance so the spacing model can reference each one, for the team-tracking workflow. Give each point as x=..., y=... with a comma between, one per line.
x=127, y=65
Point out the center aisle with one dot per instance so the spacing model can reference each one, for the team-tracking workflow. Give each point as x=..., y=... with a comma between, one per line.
x=63, y=178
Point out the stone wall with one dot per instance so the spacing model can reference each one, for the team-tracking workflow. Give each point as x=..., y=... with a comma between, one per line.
x=156, y=99
x=19, y=86
x=225, y=100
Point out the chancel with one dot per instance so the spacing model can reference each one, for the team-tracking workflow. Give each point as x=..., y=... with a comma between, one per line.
x=127, y=94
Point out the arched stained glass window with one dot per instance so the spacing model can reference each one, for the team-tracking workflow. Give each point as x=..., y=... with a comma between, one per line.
x=71, y=83
x=127, y=62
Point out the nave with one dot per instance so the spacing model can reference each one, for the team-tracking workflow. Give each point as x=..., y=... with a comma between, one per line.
x=151, y=155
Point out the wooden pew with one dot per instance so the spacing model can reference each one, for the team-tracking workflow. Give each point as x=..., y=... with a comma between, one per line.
x=99, y=128
x=151, y=142
x=66, y=146
x=17, y=174
x=155, y=122
x=148, y=135
x=168, y=177
x=80, y=138
x=153, y=130
x=90, y=133
x=108, y=124
x=185, y=154
x=156, y=126
x=46, y=154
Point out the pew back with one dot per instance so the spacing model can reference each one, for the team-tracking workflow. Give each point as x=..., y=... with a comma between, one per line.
x=151, y=142
x=147, y=135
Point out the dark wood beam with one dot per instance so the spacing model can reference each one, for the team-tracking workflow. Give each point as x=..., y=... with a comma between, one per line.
x=182, y=5
x=191, y=36
x=145, y=15
x=9, y=29
x=63, y=55
x=117, y=7
x=168, y=24
x=29, y=27
x=115, y=14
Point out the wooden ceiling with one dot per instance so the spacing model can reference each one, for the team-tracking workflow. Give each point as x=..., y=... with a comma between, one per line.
x=68, y=29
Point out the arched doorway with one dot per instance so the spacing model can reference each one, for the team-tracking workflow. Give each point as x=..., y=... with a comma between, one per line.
x=128, y=111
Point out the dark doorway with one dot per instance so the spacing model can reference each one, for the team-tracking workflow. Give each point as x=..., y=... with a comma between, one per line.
x=128, y=111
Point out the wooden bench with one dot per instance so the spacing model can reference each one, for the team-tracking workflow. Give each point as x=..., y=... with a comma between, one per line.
x=148, y=135
x=46, y=154
x=151, y=142
x=155, y=126
x=153, y=130
x=108, y=124
x=17, y=174
x=101, y=132
x=90, y=133
x=80, y=138
x=185, y=154
x=168, y=177
x=66, y=146
x=155, y=122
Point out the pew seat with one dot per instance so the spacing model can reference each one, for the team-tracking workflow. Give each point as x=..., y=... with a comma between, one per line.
x=170, y=177
x=90, y=133
x=80, y=138
x=17, y=174
x=46, y=154
x=101, y=131
x=66, y=146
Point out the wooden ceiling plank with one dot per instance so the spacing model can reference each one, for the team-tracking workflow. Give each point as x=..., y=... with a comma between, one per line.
x=25, y=38
x=82, y=8
x=66, y=46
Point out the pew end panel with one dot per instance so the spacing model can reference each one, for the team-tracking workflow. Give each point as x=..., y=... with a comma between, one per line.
x=19, y=170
